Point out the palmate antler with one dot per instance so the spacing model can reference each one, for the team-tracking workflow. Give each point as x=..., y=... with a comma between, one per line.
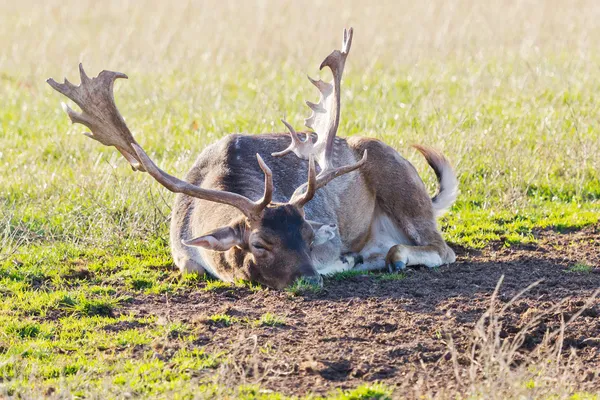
x=325, y=117
x=95, y=98
x=100, y=114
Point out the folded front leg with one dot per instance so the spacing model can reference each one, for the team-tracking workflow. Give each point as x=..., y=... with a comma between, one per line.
x=400, y=256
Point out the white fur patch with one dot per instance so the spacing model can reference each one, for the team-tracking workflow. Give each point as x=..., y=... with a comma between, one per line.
x=336, y=266
x=448, y=191
x=429, y=259
x=384, y=235
x=324, y=234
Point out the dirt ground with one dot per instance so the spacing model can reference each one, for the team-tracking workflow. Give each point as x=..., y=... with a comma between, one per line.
x=367, y=329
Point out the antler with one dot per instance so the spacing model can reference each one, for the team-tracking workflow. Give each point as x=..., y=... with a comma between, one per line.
x=97, y=103
x=324, y=120
x=325, y=117
x=100, y=114
x=300, y=198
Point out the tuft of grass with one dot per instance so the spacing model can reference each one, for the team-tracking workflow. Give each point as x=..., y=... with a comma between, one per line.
x=177, y=331
x=269, y=319
x=222, y=319
x=90, y=307
x=252, y=286
x=345, y=275
x=391, y=276
x=302, y=286
x=352, y=274
x=24, y=329
x=364, y=392
x=580, y=268
x=194, y=360
x=216, y=285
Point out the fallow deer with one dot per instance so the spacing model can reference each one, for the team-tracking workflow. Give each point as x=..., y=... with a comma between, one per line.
x=375, y=214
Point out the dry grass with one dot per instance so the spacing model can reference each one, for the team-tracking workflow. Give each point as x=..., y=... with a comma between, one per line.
x=497, y=366
x=43, y=38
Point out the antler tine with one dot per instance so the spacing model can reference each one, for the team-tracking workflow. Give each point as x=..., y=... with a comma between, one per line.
x=302, y=148
x=317, y=182
x=300, y=198
x=83, y=76
x=99, y=113
x=268, y=193
x=325, y=116
x=327, y=176
x=347, y=43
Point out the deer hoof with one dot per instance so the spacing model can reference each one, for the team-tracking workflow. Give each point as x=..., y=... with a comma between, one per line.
x=396, y=266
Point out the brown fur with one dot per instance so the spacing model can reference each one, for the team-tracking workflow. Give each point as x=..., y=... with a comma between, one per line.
x=386, y=187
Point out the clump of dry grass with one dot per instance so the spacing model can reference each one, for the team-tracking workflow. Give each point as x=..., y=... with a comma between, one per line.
x=495, y=365
x=10, y=236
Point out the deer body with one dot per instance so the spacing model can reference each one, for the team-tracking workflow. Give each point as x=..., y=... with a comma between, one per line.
x=352, y=214
x=366, y=221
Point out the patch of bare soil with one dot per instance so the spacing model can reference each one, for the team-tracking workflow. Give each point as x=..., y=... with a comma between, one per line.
x=366, y=329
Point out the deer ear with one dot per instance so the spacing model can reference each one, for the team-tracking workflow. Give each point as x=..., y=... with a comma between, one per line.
x=221, y=239
x=323, y=232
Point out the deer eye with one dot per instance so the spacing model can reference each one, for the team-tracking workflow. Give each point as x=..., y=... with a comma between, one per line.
x=261, y=248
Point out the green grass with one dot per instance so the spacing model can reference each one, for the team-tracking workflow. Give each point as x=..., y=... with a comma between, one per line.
x=365, y=392
x=351, y=274
x=302, y=286
x=269, y=319
x=344, y=275
x=222, y=319
x=215, y=285
x=580, y=268
x=392, y=276
x=81, y=235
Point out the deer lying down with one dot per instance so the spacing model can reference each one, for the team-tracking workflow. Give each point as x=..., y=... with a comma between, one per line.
x=364, y=207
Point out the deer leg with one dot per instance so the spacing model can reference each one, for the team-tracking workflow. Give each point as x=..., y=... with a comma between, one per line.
x=426, y=247
x=404, y=231
x=400, y=256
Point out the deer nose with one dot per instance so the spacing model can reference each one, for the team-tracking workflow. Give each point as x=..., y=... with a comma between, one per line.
x=307, y=272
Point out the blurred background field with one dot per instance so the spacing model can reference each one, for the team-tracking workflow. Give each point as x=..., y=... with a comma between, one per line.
x=508, y=90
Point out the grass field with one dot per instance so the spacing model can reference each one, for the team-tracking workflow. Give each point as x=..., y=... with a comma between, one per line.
x=508, y=90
